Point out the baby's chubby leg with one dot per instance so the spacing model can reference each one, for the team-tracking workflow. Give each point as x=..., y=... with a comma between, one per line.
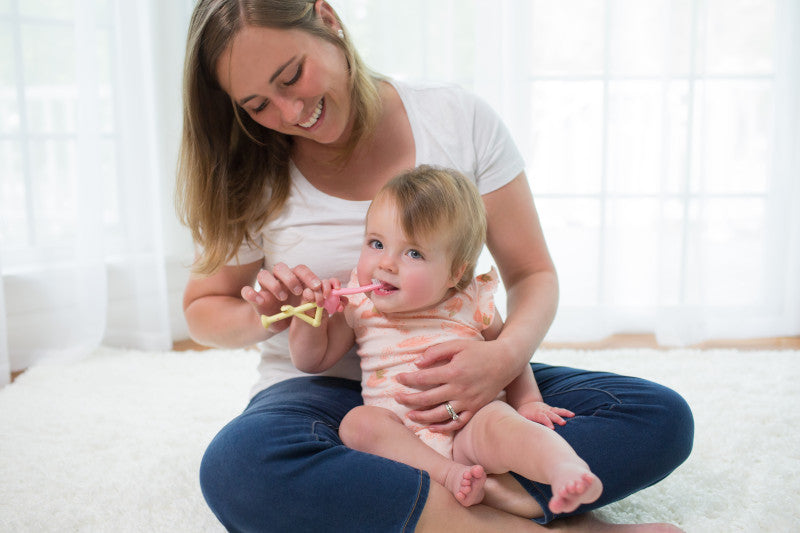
x=502, y=440
x=381, y=432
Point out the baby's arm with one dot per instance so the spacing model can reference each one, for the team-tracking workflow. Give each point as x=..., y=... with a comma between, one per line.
x=523, y=393
x=316, y=349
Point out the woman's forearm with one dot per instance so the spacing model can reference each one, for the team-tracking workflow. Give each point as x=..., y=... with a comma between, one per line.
x=532, y=304
x=224, y=322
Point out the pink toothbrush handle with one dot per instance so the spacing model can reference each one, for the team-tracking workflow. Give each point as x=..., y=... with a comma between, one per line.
x=355, y=290
x=332, y=302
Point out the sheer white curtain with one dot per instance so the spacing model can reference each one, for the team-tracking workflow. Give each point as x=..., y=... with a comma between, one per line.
x=85, y=176
x=661, y=141
x=661, y=138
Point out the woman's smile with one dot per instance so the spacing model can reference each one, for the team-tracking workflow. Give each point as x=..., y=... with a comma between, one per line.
x=312, y=120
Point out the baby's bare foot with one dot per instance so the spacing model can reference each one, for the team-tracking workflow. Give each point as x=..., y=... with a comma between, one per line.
x=574, y=486
x=466, y=483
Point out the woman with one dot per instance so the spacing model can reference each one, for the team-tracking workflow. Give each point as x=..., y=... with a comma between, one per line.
x=287, y=137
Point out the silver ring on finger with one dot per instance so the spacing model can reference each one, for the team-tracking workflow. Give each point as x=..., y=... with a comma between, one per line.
x=451, y=411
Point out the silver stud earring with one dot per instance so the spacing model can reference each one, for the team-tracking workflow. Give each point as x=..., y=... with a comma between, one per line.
x=340, y=33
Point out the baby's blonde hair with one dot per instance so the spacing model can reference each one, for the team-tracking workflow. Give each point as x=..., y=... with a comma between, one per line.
x=433, y=199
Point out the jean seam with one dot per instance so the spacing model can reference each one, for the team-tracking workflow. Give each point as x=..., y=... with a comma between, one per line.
x=314, y=430
x=415, y=504
x=593, y=389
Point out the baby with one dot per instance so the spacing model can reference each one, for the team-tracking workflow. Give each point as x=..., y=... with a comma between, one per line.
x=424, y=232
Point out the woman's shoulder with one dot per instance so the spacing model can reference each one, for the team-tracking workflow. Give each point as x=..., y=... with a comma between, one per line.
x=434, y=95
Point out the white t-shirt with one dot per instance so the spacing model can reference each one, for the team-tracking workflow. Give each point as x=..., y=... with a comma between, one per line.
x=451, y=128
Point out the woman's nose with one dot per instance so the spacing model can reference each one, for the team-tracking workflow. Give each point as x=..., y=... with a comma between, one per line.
x=291, y=109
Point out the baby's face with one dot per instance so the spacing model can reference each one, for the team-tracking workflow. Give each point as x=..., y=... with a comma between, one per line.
x=416, y=272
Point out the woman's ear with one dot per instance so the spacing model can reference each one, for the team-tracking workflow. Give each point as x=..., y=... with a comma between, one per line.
x=327, y=14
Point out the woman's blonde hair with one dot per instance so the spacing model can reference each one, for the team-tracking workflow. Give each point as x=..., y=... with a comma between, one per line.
x=233, y=174
x=432, y=200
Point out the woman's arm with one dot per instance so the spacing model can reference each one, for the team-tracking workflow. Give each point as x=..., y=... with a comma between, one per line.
x=217, y=314
x=224, y=310
x=478, y=371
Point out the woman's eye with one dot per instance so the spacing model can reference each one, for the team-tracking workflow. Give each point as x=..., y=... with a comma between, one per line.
x=296, y=76
x=260, y=107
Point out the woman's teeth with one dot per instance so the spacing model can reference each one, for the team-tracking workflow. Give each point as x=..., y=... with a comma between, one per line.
x=313, y=118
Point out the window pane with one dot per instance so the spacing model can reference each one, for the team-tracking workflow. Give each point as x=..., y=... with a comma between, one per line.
x=55, y=201
x=671, y=236
x=650, y=38
x=63, y=9
x=566, y=136
x=7, y=59
x=566, y=38
x=9, y=107
x=572, y=230
x=13, y=221
x=101, y=66
x=49, y=53
x=49, y=71
x=733, y=135
x=631, y=252
x=107, y=165
x=740, y=36
x=430, y=51
x=727, y=251
x=647, y=136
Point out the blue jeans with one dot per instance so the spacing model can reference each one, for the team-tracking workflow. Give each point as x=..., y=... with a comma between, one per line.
x=280, y=465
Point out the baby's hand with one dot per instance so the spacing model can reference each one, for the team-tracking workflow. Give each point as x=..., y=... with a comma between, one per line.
x=320, y=295
x=544, y=414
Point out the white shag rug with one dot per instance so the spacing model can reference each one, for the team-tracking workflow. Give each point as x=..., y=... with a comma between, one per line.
x=112, y=443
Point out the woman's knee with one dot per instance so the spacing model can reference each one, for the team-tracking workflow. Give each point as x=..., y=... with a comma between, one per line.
x=675, y=424
x=252, y=462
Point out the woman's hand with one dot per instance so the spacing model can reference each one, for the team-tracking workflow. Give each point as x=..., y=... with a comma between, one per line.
x=280, y=286
x=467, y=374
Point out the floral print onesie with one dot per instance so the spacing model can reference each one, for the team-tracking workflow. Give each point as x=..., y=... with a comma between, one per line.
x=389, y=345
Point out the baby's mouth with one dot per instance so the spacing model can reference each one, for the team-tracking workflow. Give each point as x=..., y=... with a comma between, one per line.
x=385, y=288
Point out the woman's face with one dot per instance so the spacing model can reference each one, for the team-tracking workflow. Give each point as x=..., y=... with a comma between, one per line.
x=288, y=81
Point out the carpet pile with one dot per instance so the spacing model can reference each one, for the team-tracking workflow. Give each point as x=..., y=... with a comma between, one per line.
x=113, y=442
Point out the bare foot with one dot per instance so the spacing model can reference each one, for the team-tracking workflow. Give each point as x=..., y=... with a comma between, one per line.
x=574, y=485
x=466, y=483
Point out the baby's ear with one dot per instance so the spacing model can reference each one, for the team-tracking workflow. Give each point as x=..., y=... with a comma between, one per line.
x=457, y=274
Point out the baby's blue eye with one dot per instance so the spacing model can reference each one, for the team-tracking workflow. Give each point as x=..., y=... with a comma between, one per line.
x=413, y=254
x=375, y=243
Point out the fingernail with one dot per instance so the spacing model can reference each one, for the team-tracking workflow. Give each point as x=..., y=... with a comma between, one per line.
x=282, y=295
x=298, y=290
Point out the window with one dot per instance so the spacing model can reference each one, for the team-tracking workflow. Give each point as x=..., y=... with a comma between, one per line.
x=56, y=88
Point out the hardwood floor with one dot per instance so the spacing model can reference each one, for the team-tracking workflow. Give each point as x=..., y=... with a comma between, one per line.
x=628, y=341
x=614, y=341
x=649, y=341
